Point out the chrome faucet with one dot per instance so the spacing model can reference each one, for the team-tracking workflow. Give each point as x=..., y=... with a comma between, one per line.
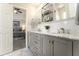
x=62, y=30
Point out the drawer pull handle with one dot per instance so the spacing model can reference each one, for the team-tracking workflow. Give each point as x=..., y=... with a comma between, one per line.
x=52, y=42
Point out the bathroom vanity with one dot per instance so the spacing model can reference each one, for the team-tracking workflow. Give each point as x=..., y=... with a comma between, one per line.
x=55, y=44
x=42, y=44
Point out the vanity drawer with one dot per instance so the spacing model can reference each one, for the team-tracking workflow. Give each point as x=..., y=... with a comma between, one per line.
x=36, y=44
x=36, y=36
x=36, y=51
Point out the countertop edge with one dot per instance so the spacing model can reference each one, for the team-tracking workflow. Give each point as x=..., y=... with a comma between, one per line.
x=68, y=36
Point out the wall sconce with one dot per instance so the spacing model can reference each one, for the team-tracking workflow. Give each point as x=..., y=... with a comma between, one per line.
x=23, y=27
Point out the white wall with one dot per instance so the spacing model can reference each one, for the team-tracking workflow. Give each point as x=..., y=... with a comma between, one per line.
x=33, y=14
x=6, y=28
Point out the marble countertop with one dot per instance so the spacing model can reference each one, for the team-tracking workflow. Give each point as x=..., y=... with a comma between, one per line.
x=69, y=36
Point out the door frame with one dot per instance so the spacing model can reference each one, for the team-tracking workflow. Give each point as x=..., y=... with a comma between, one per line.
x=25, y=22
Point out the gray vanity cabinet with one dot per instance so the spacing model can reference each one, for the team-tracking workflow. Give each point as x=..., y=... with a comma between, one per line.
x=35, y=43
x=48, y=46
x=75, y=48
x=54, y=46
x=62, y=47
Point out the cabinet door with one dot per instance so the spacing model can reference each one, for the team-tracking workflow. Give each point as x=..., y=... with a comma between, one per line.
x=35, y=43
x=47, y=46
x=76, y=48
x=62, y=48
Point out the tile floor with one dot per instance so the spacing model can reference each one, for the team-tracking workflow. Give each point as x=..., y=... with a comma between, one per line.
x=19, y=48
x=20, y=52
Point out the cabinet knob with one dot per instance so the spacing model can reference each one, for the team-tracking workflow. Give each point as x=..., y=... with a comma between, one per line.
x=49, y=41
x=52, y=42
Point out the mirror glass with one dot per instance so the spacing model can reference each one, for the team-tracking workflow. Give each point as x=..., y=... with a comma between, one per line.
x=58, y=11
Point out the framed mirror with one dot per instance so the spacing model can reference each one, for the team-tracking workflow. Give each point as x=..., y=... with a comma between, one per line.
x=58, y=11
x=47, y=13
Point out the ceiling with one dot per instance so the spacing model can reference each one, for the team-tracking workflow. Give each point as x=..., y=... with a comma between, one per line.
x=28, y=4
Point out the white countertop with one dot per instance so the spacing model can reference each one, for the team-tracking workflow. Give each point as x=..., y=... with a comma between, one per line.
x=69, y=36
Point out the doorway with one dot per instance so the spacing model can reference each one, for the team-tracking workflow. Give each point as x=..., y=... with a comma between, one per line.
x=19, y=22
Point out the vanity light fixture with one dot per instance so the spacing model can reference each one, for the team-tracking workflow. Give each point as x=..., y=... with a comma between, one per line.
x=23, y=27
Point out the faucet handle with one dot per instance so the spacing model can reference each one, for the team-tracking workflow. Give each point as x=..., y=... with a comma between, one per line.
x=63, y=30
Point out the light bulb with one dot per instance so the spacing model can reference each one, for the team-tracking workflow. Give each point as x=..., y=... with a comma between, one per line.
x=23, y=27
x=15, y=11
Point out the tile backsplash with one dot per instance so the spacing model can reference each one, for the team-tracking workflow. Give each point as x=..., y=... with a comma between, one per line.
x=69, y=24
